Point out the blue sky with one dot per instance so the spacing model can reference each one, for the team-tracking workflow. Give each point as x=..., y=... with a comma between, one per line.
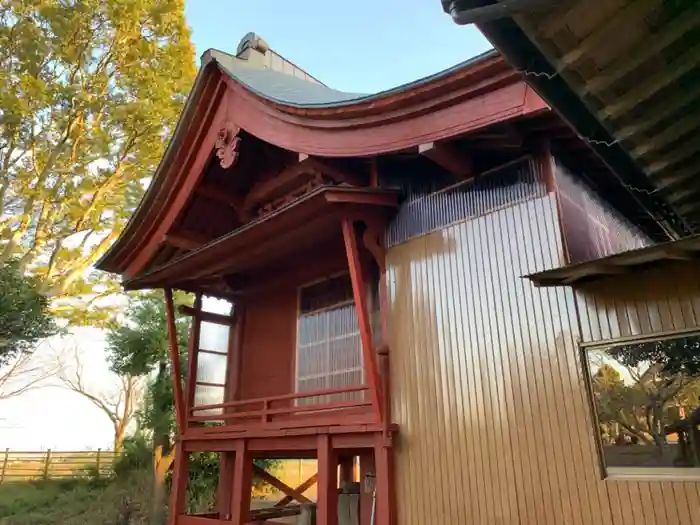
x=362, y=46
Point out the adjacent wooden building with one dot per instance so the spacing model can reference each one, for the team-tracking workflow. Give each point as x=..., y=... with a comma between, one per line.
x=372, y=252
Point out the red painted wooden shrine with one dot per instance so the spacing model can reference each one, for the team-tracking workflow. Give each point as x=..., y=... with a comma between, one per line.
x=276, y=206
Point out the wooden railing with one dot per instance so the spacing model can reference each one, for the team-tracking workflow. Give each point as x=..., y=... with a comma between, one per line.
x=263, y=410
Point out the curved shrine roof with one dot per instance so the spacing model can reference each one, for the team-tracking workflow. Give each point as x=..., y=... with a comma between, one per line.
x=286, y=89
x=287, y=108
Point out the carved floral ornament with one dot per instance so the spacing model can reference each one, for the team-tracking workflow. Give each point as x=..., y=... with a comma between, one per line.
x=227, y=145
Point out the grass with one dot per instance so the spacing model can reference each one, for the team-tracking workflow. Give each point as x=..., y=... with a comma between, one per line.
x=76, y=502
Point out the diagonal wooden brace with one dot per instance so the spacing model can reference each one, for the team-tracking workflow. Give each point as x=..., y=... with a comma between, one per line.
x=294, y=494
x=298, y=490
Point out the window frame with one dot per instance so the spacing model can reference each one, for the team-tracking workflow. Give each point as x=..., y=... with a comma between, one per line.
x=613, y=474
x=299, y=288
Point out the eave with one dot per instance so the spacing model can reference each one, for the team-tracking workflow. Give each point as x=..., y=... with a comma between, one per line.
x=292, y=229
x=687, y=249
x=475, y=94
x=623, y=95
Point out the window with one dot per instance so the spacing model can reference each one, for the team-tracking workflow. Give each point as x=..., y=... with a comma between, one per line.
x=647, y=401
x=212, y=358
x=329, y=352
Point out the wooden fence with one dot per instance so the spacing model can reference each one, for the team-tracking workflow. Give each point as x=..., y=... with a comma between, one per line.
x=24, y=466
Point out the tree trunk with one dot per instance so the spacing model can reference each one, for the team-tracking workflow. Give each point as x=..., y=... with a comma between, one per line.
x=119, y=435
x=162, y=453
x=162, y=459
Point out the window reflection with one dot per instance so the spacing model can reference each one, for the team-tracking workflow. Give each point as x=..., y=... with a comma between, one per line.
x=647, y=399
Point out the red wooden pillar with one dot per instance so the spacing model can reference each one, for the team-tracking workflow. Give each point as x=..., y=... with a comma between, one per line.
x=242, y=478
x=367, y=483
x=383, y=458
x=178, y=491
x=175, y=359
x=347, y=469
x=327, y=495
x=359, y=291
x=227, y=462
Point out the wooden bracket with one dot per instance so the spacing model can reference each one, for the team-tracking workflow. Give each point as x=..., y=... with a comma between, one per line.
x=359, y=295
x=235, y=202
x=227, y=144
x=449, y=157
x=373, y=239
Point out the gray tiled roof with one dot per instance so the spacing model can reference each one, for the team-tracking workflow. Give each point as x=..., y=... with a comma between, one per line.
x=292, y=91
x=278, y=86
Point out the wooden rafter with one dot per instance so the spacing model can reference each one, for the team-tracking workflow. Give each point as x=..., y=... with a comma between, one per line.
x=449, y=157
x=677, y=178
x=688, y=124
x=649, y=120
x=682, y=152
x=643, y=51
x=224, y=196
x=680, y=66
x=613, y=24
x=209, y=317
x=186, y=240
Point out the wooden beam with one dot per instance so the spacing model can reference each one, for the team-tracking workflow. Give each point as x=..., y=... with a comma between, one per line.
x=690, y=123
x=626, y=62
x=359, y=294
x=651, y=85
x=260, y=191
x=175, y=360
x=209, y=317
x=186, y=240
x=279, y=485
x=221, y=195
x=449, y=157
x=633, y=12
x=677, y=178
x=682, y=152
x=649, y=120
x=559, y=17
x=339, y=175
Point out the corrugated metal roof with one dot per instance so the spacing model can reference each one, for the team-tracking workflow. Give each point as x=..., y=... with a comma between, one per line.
x=684, y=249
x=293, y=91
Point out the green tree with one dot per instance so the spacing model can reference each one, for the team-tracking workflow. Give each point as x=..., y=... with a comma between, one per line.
x=138, y=346
x=641, y=387
x=24, y=315
x=90, y=90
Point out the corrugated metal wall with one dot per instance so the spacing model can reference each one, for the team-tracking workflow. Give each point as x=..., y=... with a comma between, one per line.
x=495, y=426
x=592, y=228
x=430, y=204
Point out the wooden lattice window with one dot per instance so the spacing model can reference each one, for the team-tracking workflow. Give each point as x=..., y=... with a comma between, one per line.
x=329, y=351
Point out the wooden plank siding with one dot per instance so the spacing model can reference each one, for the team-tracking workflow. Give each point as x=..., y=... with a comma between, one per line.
x=487, y=384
